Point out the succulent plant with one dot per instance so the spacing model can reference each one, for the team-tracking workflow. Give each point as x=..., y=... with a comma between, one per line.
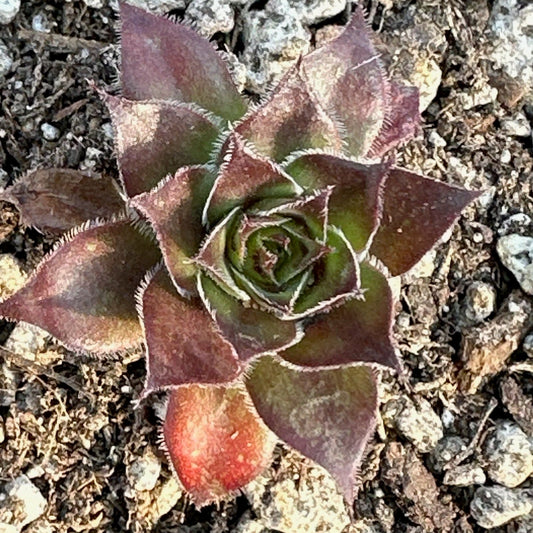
x=247, y=246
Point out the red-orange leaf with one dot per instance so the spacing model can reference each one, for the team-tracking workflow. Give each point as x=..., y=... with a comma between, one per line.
x=215, y=441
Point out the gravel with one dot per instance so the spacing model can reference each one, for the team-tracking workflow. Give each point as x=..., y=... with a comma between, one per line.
x=516, y=253
x=417, y=423
x=8, y=10
x=6, y=61
x=21, y=503
x=508, y=455
x=495, y=506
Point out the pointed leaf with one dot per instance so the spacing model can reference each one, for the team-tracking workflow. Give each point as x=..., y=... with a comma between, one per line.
x=312, y=209
x=347, y=77
x=212, y=255
x=355, y=201
x=244, y=178
x=174, y=209
x=328, y=415
x=291, y=120
x=360, y=330
x=58, y=199
x=83, y=293
x=154, y=139
x=169, y=61
x=401, y=122
x=252, y=331
x=336, y=277
x=183, y=342
x=417, y=211
x=216, y=443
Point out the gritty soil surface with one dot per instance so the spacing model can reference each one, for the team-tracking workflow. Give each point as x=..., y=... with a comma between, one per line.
x=71, y=424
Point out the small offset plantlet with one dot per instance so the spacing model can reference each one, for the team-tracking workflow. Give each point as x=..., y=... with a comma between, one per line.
x=248, y=247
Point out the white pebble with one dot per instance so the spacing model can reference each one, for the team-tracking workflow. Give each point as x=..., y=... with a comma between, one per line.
x=50, y=133
x=6, y=61
x=8, y=10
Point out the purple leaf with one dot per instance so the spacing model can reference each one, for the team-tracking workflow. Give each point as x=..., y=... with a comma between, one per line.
x=355, y=201
x=262, y=179
x=347, y=77
x=168, y=61
x=328, y=415
x=183, y=343
x=417, y=211
x=292, y=119
x=252, y=331
x=83, y=292
x=174, y=209
x=215, y=441
x=401, y=122
x=56, y=199
x=359, y=330
x=155, y=139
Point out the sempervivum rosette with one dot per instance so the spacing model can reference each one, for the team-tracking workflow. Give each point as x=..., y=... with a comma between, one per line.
x=267, y=234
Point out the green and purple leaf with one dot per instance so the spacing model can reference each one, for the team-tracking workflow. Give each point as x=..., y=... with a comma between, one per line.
x=215, y=441
x=244, y=178
x=56, y=200
x=212, y=256
x=417, y=211
x=348, y=79
x=174, y=209
x=250, y=330
x=401, y=122
x=155, y=139
x=336, y=278
x=328, y=415
x=355, y=202
x=168, y=61
x=83, y=293
x=183, y=343
x=360, y=330
x=292, y=119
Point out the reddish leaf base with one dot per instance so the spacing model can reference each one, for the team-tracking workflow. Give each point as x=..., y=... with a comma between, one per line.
x=215, y=441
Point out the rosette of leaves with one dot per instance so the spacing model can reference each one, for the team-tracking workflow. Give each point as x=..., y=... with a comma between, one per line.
x=248, y=247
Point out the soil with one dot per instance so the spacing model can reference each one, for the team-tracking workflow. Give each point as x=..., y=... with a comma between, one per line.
x=72, y=423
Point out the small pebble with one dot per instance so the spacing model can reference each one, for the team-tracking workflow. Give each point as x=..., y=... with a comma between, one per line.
x=527, y=345
x=505, y=156
x=508, y=455
x=210, y=17
x=417, y=423
x=39, y=23
x=26, y=340
x=50, y=133
x=480, y=301
x=445, y=450
x=465, y=476
x=95, y=4
x=495, y=506
x=6, y=61
x=11, y=276
x=144, y=472
x=23, y=504
x=8, y=10
x=436, y=140
x=518, y=126
x=514, y=224
x=516, y=253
